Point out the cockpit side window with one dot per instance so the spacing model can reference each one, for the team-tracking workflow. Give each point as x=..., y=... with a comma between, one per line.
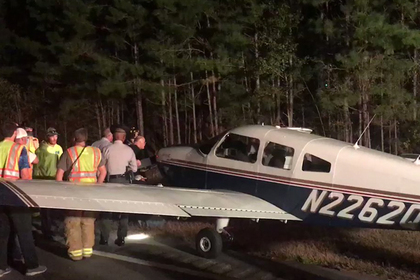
x=315, y=164
x=206, y=146
x=279, y=156
x=238, y=147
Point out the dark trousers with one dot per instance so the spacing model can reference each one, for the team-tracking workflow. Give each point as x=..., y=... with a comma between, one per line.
x=4, y=237
x=46, y=223
x=21, y=222
x=105, y=218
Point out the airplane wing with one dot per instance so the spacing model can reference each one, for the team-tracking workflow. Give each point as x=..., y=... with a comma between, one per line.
x=138, y=199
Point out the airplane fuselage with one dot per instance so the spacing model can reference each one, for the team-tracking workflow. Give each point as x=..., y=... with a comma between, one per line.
x=316, y=179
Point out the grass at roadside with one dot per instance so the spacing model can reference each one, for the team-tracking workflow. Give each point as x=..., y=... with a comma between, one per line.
x=389, y=254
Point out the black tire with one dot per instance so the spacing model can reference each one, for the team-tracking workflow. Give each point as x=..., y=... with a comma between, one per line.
x=208, y=243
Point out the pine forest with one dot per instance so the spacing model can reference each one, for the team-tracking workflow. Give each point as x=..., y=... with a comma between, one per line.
x=183, y=71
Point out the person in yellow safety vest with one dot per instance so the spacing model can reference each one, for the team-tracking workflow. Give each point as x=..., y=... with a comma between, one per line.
x=10, y=156
x=32, y=143
x=14, y=165
x=82, y=164
x=21, y=139
x=48, y=155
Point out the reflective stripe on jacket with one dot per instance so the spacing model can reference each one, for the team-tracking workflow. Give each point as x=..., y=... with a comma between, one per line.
x=9, y=159
x=86, y=167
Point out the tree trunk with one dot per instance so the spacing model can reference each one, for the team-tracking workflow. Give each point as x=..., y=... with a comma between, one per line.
x=210, y=106
x=65, y=135
x=415, y=74
x=303, y=115
x=216, y=116
x=45, y=120
x=347, y=123
x=103, y=115
x=171, y=119
x=98, y=117
x=390, y=137
x=108, y=112
x=291, y=96
x=382, y=134
x=360, y=119
x=178, y=127
x=138, y=93
x=415, y=83
x=278, y=118
x=200, y=126
x=257, y=78
x=395, y=137
x=366, y=119
x=194, y=119
x=112, y=112
x=186, y=121
x=122, y=112
x=17, y=98
x=329, y=125
x=139, y=113
x=118, y=112
x=164, y=121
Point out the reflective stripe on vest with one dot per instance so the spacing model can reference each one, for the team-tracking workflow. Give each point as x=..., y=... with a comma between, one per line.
x=9, y=159
x=85, y=168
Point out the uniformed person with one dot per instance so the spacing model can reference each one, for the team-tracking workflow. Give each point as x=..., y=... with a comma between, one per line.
x=82, y=164
x=105, y=141
x=118, y=157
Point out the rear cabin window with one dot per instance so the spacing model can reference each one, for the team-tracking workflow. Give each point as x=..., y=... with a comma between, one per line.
x=238, y=147
x=278, y=156
x=315, y=164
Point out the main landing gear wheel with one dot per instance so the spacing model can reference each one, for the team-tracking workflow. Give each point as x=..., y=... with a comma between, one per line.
x=208, y=243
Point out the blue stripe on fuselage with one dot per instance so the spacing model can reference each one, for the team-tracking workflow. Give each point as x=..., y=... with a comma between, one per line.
x=322, y=206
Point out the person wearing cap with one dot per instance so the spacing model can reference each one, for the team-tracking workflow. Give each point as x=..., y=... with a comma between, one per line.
x=82, y=163
x=48, y=154
x=118, y=157
x=105, y=141
x=14, y=165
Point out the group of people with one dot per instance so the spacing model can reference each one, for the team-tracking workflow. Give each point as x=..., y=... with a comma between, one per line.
x=22, y=157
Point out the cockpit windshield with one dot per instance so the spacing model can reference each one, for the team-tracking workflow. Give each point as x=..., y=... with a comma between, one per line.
x=206, y=146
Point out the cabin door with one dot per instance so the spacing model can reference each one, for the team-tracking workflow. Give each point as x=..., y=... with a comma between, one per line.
x=232, y=164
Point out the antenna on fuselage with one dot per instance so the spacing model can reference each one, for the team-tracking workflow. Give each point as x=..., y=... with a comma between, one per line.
x=356, y=145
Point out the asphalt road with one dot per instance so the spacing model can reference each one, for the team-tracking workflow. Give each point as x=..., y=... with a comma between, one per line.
x=97, y=267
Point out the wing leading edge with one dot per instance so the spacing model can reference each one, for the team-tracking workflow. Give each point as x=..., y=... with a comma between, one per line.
x=137, y=199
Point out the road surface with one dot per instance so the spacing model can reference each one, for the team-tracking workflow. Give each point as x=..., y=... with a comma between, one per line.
x=98, y=267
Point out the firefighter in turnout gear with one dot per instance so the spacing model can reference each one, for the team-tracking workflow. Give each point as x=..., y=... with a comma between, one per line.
x=82, y=164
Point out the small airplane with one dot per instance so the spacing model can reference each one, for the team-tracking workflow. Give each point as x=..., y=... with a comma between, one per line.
x=253, y=172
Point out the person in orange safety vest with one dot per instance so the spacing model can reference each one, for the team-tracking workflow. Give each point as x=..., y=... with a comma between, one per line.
x=14, y=165
x=21, y=138
x=83, y=164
